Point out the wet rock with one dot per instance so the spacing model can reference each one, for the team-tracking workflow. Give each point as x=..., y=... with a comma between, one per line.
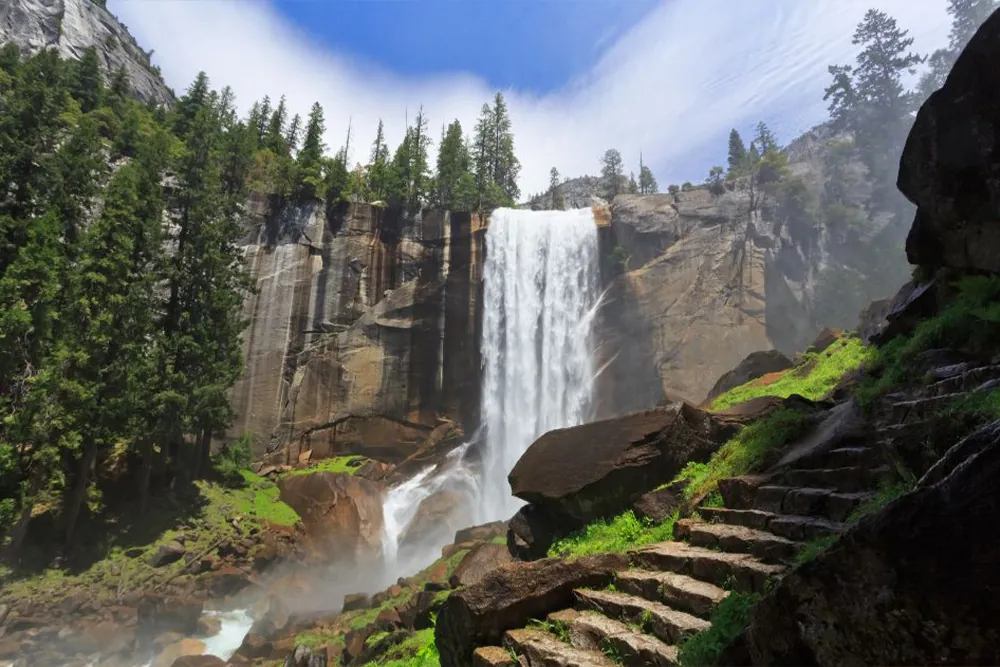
x=913, y=303
x=355, y=601
x=209, y=626
x=738, y=492
x=342, y=514
x=198, y=661
x=825, y=339
x=531, y=532
x=869, y=599
x=756, y=365
x=168, y=553
x=481, y=560
x=949, y=164
x=303, y=656
x=575, y=475
x=659, y=504
x=180, y=649
x=437, y=518
x=510, y=596
x=482, y=533
x=871, y=320
x=159, y=613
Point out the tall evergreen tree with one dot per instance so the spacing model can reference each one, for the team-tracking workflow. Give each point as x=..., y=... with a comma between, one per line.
x=275, y=137
x=309, y=175
x=737, y=153
x=292, y=135
x=647, y=182
x=555, y=190
x=87, y=83
x=452, y=166
x=612, y=171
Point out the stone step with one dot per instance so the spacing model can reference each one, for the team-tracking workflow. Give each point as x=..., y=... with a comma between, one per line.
x=740, y=572
x=669, y=625
x=538, y=648
x=492, y=656
x=843, y=457
x=921, y=408
x=766, y=546
x=789, y=526
x=847, y=480
x=592, y=631
x=676, y=590
x=959, y=378
x=808, y=501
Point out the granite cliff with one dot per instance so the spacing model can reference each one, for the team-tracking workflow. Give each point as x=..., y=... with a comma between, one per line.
x=72, y=26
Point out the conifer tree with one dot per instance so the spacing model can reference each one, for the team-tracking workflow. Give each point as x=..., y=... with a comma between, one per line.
x=647, y=182
x=612, y=168
x=292, y=135
x=737, y=153
x=87, y=83
x=275, y=137
x=555, y=190
x=452, y=166
x=309, y=175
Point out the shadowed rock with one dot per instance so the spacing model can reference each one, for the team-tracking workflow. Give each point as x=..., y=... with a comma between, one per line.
x=756, y=365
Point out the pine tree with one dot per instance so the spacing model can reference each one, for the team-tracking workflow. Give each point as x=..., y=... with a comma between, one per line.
x=764, y=139
x=647, y=182
x=419, y=166
x=189, y=105
x=275, y=136
x=309, y=176
x=506, y=166
x=716, y=181
x=612, y=168
x=292, y=135
x=966, y=17
x=555, y=190
x=737, y=153
x=452, y=166
x=87, y=84
x=633, y=186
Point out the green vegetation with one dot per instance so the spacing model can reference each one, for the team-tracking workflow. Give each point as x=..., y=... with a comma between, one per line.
x=968, y=323
x=813, y=378
x=745, y=452
x=339, y=464
x=418, y=650
x=729, y=619
x=814, y=547
x=559, y=630
x=887, y=492
x=621, y=533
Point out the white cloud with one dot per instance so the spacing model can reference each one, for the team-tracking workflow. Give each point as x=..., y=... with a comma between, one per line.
x=672, y=86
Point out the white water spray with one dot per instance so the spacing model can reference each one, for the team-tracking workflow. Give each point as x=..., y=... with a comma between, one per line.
x=540, y=292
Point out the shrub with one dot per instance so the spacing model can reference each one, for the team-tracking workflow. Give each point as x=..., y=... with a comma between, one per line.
x=729, y=619
x=621, y=533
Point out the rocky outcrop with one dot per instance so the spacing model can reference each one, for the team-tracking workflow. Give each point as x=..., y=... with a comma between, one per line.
x=572, y=476
x=699, y=281
x=362, y=331
x=342, y=514
x=70, y=27
x=869, y=600
x=510, y=596
x=756, y=365
x=949, y=166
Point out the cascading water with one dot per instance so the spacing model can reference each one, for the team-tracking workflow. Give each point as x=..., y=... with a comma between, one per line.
x=540, y=298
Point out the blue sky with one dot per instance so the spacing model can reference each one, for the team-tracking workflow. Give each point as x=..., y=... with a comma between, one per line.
x=667, y=78
x=535, y=46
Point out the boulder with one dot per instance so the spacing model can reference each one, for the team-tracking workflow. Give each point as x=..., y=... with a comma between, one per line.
x=825, y=339
x=871, y=320
x=198, y=661
x=342, y=514
x=437, y=518
x=168, y=553
x=578, y=474
x=913, y=303
x=355, y=601
x=870, y=599
x=756, y=365
x=157, y=614
x=180, y=649
x=531, y=532
x=950, y=161
x=482, y=559
x=483, y=533
x=738, y=492
x=304, y=656
x=659, y=504
x=510, y=596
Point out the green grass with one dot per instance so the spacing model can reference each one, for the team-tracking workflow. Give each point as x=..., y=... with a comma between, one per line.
x=559, y=630
x=814, y=547
x=745, y=452
x=258, y=498
x=969, y=323
x=887, y=492
x=340, y=464
x=729, y=619
x=621, y=533
x=319, y=638
x=418, y=650
x=814, y=378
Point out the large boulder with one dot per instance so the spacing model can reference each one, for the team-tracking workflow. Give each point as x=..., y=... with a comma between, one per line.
x=438, y=516
x=755, y=365
x=480, y=561
x=584, y=472
x=341, y=513
x=950, y=163
x=510, y=596
x=914, y=584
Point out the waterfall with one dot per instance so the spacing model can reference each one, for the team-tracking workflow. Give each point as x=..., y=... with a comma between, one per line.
x=540, y=298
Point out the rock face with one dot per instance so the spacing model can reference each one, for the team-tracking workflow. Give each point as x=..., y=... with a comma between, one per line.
x=362, y=332
x=572, y=476
x=71, y=26
x=341, y=513
x=869, y=600
x=949, y=166
x=699, y=281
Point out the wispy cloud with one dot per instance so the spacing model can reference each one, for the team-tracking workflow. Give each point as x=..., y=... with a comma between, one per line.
x=671, y=87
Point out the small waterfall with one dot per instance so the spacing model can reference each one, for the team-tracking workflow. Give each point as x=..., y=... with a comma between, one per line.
x=540, y=297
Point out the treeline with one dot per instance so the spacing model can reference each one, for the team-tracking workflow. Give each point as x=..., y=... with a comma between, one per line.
x=472, y=173
x=120, y=297
x=613, y=182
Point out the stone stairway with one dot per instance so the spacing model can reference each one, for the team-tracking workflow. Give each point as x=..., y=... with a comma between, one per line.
x=671, y=588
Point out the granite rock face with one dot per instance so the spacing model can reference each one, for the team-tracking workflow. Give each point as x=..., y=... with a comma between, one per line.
x=699, y=281
x=70, y=27
x=949, y=166
x=362, y=332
